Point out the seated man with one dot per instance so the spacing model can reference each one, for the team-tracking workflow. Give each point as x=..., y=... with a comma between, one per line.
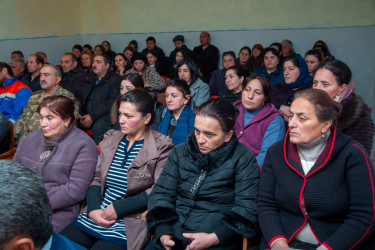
x=18, y=67
x=179, y=42
x=32, y=79
x=50, y=77
x=13, y=94
x=151, y=45
x=74, y=79
x=24, y=204
x=206, y=56
x=17, y=54
x=105, y=88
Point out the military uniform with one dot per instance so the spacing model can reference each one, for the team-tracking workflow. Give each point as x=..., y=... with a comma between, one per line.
x=29, y=119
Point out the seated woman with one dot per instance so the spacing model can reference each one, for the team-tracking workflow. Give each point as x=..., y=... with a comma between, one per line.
x=271, y=67
x=199, y=91
x=206, y=194
x=313, y=59
x=256, y=59
x=244, y=60
x=234, y=77
x=87, y=60
x=63, y=155
x=121, y=64
x=177, y=118
x=217, y=80
x=335, y=78
x=316, y=189
x=128, y=53
x=151, y=78
x=258, y=124
x=324, y=48
x=129, y=164
x=286, y=49
x=99, y=50
x=180, y=54
x=297, y=77
x=153, y=62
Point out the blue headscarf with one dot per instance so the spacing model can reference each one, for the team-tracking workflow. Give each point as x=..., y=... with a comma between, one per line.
x=304, y=77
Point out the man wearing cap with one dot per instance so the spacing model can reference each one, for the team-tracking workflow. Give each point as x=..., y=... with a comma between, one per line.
x=179, y=42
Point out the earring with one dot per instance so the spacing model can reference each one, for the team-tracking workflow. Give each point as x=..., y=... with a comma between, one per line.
x=66, y=125
x=323, y=135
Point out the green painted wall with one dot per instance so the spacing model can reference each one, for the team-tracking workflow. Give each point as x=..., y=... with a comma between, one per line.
x=43, y=18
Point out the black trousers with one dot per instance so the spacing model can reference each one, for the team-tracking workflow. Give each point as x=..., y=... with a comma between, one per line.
x=75, y=234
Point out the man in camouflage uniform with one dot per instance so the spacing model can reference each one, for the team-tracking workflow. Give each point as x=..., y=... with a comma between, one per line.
x=50, y=77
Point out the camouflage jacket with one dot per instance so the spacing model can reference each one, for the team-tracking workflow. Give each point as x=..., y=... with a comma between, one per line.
x=29, y=119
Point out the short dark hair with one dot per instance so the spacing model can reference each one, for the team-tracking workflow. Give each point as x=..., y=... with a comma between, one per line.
x=136, y=79
x=129, y=48
x=273, y=51
x=9, y=69
x=315, y=52
x=220, y=110
x=141, y=99
x=17, y=52
x=266, y=85
x=339, y=69
x=39, y=59
x=229, y=53
x=87, y=46
x=278, y=45
x=106, y=58
x=74, y=58
x=239, y=71
x=79, y=47
x=246, y=48
x=323, y=46
x=24, y=205
x=109, y=44
x=151, y=38
x=135, y=43
x=325, y=107
x=181, y=85
x=179, y=38
x=192, y=68
x=101, y=48
x=60, y=105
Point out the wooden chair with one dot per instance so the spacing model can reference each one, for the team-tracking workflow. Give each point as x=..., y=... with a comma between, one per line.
x=246, y=242
x=8, y=155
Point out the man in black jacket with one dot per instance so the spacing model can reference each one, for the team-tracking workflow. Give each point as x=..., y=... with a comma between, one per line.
x=74, y=79
x=206, y=56
x=105, y=88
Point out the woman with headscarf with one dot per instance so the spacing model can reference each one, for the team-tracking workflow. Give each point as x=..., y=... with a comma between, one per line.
x=297, y=77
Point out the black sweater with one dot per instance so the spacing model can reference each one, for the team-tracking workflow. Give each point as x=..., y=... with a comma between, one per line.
x=338, y=193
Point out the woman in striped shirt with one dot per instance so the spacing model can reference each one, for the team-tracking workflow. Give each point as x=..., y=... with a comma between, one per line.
x=128, y=166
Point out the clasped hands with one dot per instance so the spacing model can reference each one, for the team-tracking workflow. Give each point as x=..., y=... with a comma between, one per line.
x=198, y=240
x=104, y=218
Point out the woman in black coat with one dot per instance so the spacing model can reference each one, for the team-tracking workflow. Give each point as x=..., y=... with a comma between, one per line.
x=206, y=195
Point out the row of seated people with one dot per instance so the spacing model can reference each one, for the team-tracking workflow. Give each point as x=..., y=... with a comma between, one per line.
x=97, y=92
x=203, y=193
x=74, y=78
